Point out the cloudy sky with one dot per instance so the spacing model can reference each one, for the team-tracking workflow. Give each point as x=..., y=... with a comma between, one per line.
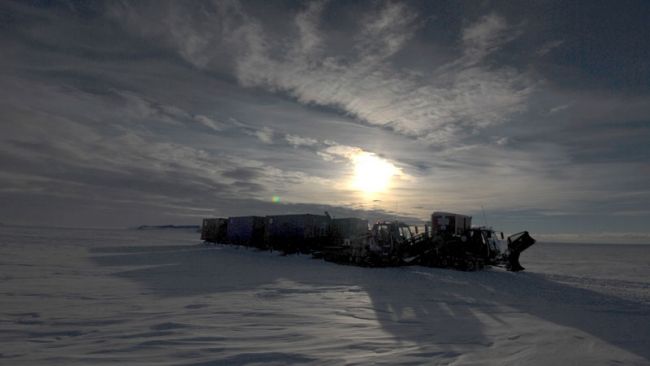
x=125, y=113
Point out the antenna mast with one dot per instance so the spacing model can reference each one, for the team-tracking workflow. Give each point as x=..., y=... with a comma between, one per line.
x=484, y=216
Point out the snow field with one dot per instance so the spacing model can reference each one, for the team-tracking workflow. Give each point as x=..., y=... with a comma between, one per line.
x=78, y=297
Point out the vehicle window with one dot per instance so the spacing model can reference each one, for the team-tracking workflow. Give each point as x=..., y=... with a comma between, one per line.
x=405, y=232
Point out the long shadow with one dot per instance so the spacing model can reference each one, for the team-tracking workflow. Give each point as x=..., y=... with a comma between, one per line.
x=620, y=322
x=411, y=303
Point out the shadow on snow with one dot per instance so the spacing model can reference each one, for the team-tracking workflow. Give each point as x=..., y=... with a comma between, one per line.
x=423, y=305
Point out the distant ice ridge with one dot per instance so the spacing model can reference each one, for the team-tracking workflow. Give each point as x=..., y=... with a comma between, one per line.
x=169, y=227
x=80, y=297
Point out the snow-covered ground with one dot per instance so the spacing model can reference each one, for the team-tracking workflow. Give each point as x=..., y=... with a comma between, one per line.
x=72, y=296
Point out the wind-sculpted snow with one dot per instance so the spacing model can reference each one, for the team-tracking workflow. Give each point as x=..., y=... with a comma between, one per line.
x=160, y=297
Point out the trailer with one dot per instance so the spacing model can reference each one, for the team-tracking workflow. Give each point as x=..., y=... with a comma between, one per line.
x=214, y=230
x=302, y=233
x=247, y=230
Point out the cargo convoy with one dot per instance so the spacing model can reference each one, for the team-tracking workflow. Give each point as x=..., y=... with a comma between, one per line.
x=447, y=241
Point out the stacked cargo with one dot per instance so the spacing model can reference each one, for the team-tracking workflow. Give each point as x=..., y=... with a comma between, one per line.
x=288, y=233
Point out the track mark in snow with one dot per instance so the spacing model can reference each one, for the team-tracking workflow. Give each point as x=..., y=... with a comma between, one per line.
x=168, y=326
x=261, y=357
x=147, y=335
x=31, y=315
x=436, y=354
x=205, y=339
x=58, y=334
x=89, y=323
x=29, y=322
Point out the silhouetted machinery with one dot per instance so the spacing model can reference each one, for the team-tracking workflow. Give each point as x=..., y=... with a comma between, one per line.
x=449, y=241
x=454, y=243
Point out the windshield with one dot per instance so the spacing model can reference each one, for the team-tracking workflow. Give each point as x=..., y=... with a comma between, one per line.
x=405, y=232
x=493, y=239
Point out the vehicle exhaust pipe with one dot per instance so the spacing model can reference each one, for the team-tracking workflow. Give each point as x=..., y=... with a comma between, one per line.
x=517, y=243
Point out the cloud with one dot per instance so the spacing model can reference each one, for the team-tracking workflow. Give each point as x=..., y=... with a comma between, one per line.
x=559, y=108
x=297, y=141
x=175, y=107
x=265, y=135
x=384, y=33
x=340, y=151
x=208, y=122
x=502, y=141
x=200, y=34
x=309, y=41
x=124, y=146
x=243, y=173
x=139, y=107
x=360, y=158
x=435, y=105
x=549, y=46
x=485, y=36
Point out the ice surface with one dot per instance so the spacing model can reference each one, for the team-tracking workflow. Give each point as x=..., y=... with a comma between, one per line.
x=72, y=296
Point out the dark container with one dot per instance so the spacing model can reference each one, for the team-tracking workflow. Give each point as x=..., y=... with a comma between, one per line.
x=214, y=230
x=297, y=233
x=247, y=230
x=348, y=229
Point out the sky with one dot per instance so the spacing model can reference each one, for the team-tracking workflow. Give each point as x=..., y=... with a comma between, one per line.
x=526, y=115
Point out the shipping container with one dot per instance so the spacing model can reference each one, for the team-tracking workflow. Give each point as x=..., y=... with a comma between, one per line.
x=247, y=230
x=214, y=230
x=297, y=233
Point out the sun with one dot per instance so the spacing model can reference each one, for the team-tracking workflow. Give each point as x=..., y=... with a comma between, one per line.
x=372, y=174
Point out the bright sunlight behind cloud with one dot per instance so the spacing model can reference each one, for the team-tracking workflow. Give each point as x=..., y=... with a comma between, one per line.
x=372, y=174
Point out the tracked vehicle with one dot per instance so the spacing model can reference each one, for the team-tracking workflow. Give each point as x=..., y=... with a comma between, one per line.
x=454, y=243
x=448, y=241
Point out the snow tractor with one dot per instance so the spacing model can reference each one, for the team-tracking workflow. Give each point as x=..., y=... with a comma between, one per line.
x=455, y=244
x=452, y=243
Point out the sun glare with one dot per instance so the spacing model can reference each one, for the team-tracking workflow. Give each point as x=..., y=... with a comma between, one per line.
x=372, y=174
